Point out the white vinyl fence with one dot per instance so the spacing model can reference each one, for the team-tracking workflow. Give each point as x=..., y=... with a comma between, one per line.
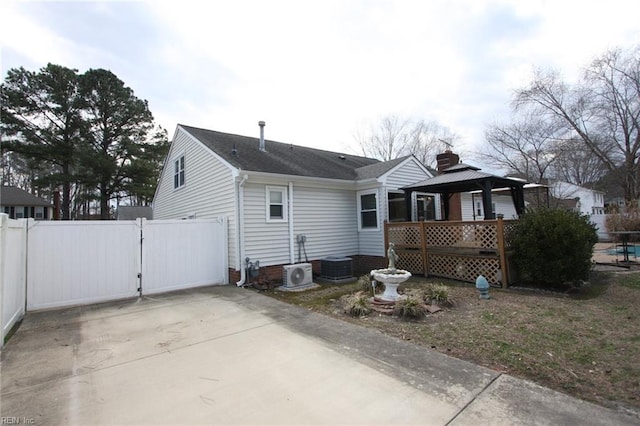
x=599, y=220
x=49, y=264
x=13, y=261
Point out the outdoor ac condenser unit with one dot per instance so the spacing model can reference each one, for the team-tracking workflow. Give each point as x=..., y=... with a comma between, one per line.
x=297, y=275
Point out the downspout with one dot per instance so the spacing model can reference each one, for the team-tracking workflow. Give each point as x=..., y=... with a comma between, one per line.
x=240, y=222
x=291, y=240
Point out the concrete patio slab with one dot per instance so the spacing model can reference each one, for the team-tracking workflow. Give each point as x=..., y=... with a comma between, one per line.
x=223, y=355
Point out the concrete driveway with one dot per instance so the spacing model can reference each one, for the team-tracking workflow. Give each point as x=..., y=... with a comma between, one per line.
x=223, y=355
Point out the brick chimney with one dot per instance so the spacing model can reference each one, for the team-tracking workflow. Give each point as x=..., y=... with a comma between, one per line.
x=446, y=159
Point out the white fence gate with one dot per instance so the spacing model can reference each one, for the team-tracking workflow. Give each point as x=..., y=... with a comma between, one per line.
x=71, y=263
x=180, y=254
x=49, y=264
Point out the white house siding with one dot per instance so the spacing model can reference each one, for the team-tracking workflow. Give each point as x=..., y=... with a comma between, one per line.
x=466, y=204
x=504, y=206
x=265, y=241
x=328, y=218
x=409, y=173
x=208, y=192
x=371, y=243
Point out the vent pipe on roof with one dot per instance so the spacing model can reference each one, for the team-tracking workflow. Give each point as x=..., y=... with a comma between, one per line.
x=261, y=124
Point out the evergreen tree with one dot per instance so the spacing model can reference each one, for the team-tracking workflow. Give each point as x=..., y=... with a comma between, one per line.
x=87, y=133
x=118, y=138
x=41, y=121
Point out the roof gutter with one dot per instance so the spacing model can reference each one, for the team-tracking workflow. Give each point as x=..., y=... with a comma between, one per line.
x=240, y=226
x=266, y=177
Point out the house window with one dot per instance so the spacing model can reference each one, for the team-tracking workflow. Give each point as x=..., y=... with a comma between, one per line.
x=368, y=207
x=397, y=207
x=178, y=173
x=276, y=204
x=478, y=208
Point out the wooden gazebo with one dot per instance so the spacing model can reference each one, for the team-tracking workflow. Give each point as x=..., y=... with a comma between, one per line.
x=459, y=249
x=465, y=178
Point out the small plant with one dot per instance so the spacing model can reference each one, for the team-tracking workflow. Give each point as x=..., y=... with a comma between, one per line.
x=439, y=294
x=364, y=283
x=358, y=305
x=410, y=307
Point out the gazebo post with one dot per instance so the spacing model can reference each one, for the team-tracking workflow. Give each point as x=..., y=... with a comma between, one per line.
x=408, y=196
x=445, y=204
x=486, y=201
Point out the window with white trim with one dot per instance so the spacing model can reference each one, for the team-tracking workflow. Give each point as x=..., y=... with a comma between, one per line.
x=276, y=204
x=178, y=172
x=368, y=210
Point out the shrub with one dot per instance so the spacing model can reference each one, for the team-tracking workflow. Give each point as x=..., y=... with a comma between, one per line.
x=358, y=305
x=439, y=294
x=410, y=307
x=628, y=220
x=553, y=247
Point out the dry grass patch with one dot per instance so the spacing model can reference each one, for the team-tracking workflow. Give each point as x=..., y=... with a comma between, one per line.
x=586, y=344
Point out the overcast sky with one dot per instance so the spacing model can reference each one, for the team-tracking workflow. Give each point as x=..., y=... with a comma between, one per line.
x=316, y=71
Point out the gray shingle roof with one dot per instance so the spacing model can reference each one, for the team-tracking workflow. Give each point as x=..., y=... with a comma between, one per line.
x=281, y=158
x=462, y=179
x=13, y=196
x=378, y=169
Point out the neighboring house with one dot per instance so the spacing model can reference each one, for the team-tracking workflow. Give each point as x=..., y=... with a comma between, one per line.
x=18, y=204
x=573, y=197
x=561, y=195
x=502, y=202
x=473, y=209
x=274, y=193
x=134, y=212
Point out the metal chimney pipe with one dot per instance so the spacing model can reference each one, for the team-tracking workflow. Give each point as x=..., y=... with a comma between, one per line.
x=261, y=124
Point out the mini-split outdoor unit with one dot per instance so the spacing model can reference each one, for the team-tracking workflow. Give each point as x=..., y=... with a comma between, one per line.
x=297, y=275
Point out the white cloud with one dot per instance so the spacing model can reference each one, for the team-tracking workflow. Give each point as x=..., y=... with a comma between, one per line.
x=314, y=70
x=18, y=33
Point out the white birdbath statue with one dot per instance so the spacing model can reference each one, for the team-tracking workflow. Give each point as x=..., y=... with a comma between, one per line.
x=391, y=277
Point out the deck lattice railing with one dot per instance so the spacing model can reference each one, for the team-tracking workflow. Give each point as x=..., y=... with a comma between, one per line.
x=458, y=249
